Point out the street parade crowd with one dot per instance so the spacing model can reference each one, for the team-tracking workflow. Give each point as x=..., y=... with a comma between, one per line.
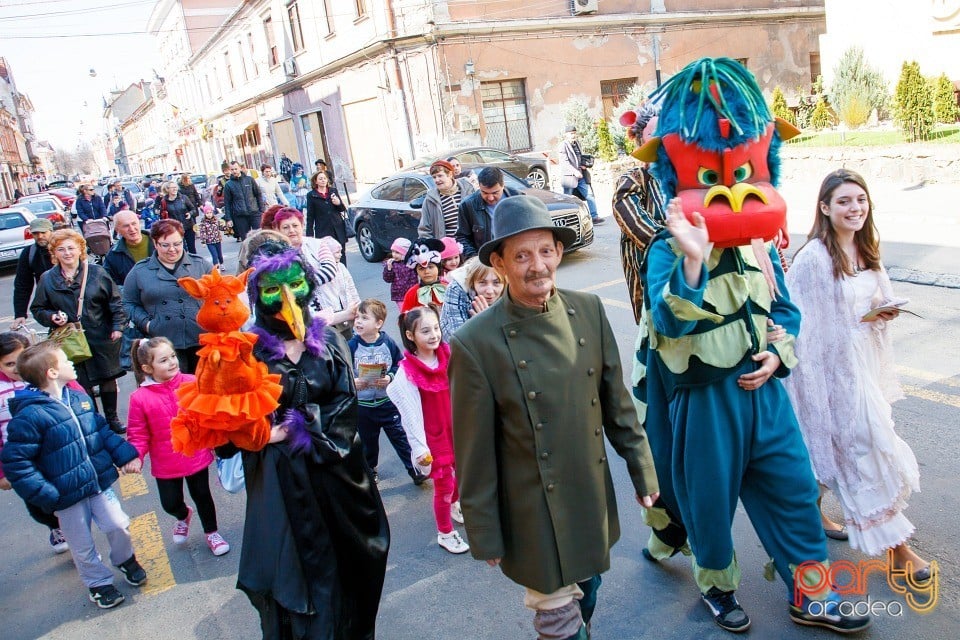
x=753, y=380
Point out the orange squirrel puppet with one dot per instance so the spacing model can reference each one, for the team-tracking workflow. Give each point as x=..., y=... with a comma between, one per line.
x=233, y=394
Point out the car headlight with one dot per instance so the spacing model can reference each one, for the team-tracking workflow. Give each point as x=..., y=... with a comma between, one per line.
x=584, y=212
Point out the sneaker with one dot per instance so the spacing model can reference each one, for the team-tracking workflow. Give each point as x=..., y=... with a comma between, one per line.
x=456, y=513
x=827, y=614
x=419, y=478
x=218, y=546
x=132, y=572
x=57, y=541
x=182, y=528
x=106, y=597
x=726, y=611
x=452, y=542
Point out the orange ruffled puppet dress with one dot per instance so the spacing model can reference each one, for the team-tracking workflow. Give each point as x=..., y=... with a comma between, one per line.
x=234, y=394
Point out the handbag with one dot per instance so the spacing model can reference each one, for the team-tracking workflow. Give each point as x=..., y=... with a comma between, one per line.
x=569, y=181
x=71, y=336
x=586, y=160
x=230, y=473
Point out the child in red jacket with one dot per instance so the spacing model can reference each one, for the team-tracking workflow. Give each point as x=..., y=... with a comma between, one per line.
x=152, y=407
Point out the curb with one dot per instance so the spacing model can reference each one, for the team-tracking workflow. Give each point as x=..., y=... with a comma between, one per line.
x=945, y=280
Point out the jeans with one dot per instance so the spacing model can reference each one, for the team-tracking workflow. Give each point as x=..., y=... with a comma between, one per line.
x=584, y=192
x=216, y=252
x=105, y=510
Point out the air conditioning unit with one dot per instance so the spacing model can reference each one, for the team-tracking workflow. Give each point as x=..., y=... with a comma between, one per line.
x=581, y=7
x=290, y=67
x=469, y=122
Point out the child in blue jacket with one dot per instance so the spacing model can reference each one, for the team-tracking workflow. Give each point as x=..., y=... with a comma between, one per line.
x=62, y=456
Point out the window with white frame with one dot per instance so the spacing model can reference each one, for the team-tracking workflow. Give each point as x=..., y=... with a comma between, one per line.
x=229, y=68
x=273, y=54
x=254, y=67
x=296, y=28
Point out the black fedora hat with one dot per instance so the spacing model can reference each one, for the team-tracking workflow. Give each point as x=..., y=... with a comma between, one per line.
x=517, y=214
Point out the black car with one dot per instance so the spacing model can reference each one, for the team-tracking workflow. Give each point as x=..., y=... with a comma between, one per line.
x=533, y=166
x=391, y=209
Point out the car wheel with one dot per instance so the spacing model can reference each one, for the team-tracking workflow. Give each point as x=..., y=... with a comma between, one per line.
x=537, y=178
x=369, y=248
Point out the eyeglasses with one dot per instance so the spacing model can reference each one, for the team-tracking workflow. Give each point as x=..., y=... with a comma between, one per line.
x=170, y=245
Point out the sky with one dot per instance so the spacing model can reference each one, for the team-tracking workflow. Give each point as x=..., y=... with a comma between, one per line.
x=51, y=46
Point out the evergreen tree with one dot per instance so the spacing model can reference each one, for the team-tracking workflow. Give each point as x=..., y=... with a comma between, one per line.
x=821, y=118
x=944, y=100
x=779, y=106
x=913, y=99
x=857, y=88
x=606, y=150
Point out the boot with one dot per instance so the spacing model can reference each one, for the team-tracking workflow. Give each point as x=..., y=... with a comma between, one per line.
x=109, y=400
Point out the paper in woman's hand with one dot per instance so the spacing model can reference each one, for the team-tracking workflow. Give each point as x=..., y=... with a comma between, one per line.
x=893, y=304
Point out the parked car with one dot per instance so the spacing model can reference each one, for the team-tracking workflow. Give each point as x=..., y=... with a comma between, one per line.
x=533, y=166
x=15, y=233
x=60, y=184
x=43, y=206
x=391, y=209
x=66, y=195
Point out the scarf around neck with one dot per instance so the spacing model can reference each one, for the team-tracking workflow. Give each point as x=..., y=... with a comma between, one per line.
x=422, y=376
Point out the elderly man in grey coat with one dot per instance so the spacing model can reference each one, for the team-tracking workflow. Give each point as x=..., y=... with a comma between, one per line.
x=536, y=382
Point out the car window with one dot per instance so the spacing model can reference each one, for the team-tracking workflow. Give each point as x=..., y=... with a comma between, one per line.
x=11, y=221
x=413, y=189
x=513, y=182
x=490, y=155
x=133, y=187
x=469, y=157
x=39, y=206
x=198, y=179
x=392, y=190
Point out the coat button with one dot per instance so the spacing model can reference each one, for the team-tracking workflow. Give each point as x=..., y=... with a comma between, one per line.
x=522, y=364
x=603, y=459
x=550, y=487
x=571, y=311
x=538, y=426
x=512, y=333
x=591, y=371
x=532, y=395
x=593, y=402
x=597, y=431
x=544, y=455
x=582, y=341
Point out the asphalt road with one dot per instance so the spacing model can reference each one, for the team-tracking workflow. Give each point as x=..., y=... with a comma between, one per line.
x=432, y=595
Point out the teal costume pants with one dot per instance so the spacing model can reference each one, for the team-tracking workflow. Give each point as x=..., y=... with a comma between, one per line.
x=728, y=444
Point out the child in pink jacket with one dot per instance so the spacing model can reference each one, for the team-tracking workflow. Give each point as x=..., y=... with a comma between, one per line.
x=152, y=407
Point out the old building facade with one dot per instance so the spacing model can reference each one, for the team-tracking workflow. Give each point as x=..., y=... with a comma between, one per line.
x=370, y=85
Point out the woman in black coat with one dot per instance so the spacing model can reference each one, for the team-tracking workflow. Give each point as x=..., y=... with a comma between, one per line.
x=177, y=206
x=325, y=212
x=188, y=189
x=103, y=319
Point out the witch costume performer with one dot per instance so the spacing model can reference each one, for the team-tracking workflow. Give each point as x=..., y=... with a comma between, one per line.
x=316, y=538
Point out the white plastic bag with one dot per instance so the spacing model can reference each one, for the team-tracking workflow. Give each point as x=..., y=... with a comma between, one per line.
x=230, y=472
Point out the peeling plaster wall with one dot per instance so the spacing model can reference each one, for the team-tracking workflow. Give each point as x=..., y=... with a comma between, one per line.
x=557, y=66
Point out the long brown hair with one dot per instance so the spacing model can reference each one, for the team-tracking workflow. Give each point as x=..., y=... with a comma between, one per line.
x=867, y=240
x=140, y=354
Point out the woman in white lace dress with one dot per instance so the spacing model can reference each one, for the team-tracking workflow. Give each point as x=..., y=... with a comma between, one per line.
x=845, y=382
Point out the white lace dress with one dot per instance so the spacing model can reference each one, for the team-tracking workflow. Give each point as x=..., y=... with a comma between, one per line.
x=841, y=391
x=873, y=489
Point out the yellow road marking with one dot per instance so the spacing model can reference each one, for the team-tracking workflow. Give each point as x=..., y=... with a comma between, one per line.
x=928, y=376
x=601, y=285
x=152, y=554
x=932, y=396
x=133, y=485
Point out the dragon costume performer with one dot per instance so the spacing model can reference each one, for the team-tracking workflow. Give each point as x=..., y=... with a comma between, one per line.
x=716, y=151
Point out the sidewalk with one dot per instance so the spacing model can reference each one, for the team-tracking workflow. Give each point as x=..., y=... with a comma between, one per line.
x=919, y=225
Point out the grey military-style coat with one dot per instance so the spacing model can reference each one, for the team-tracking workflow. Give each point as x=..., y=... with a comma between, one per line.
x=533, y=394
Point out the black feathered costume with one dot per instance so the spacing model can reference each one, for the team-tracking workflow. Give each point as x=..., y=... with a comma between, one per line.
x=315, y=539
